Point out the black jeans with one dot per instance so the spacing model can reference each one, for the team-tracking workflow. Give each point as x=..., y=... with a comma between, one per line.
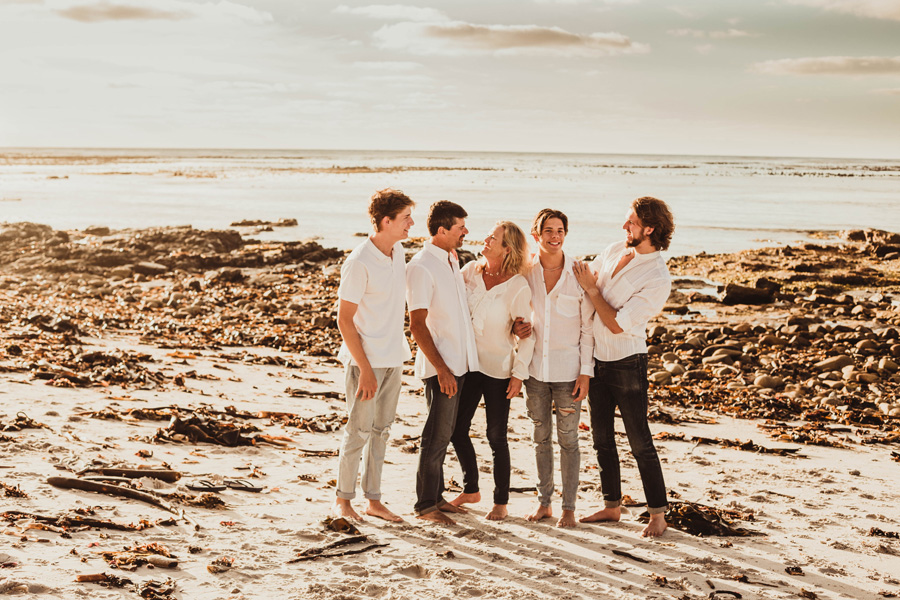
x=496, y=408
x=623, y=383
x=433, y=449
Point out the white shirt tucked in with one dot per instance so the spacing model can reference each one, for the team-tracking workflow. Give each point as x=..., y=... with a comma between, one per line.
x=493, y=313
x=433, y=282
x=376, y=284
x=638, y=292
x=561, y=327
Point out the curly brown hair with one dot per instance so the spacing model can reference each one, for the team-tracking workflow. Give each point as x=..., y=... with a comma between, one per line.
x=656, y=214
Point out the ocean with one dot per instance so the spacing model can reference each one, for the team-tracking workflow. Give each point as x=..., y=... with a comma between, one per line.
x=721, y=204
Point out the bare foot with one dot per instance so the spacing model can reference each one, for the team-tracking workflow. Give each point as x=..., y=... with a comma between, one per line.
x=542, y=512
x=466, y=499
x=437, y=516
x=567, y=519
x=452, y=508
x=656, y=526
x=498, y=513
x=342, y=508
x=607, y=514
x=377, y=509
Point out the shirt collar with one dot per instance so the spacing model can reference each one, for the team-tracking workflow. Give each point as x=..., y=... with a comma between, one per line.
x=373, y=249
x=438, y=252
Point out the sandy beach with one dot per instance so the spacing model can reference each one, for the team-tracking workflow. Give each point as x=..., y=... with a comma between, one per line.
x=111, y=341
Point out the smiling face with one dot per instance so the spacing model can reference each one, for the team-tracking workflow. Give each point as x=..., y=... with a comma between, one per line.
x=398, y=227
x=493, y=249
x=552, y=235
x=450, y=239
x=636, y=235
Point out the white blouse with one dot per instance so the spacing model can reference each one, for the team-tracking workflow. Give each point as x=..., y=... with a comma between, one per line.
x=500, y=354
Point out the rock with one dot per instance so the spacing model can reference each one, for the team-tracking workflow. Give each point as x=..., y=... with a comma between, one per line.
x=669, y=357
x=674, y=368
x=768, y=381
x=122, y=272
x=771, y=340
x=98, y=230
x=886, y=364
x=696, y=374
x=660, y=377
x=150, y=268
x=653, y=350
x=657, y=331
x=739, y=294
x=835, y=363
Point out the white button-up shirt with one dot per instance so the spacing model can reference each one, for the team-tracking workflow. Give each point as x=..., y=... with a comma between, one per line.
x=561, y=326
x=638, y=292
x=376, y=284
x=493, y=313
x=433, y=282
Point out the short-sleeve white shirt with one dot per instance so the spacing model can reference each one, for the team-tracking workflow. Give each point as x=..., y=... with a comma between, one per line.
x=493, y=313
x=376, y=284
x=561, y=326
x=638, y=292
x=434, y=282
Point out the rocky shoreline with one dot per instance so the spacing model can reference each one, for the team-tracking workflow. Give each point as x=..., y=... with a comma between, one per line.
x=811, y=331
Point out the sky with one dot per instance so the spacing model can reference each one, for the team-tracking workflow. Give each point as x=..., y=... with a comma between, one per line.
x=708, y=77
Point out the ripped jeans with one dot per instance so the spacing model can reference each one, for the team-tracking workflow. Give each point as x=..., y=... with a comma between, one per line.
x=366, y=432
x=540, y=397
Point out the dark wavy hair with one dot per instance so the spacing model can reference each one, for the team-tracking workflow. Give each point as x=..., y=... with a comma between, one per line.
x=442, y=214
x=656, y=214
x=544, y=215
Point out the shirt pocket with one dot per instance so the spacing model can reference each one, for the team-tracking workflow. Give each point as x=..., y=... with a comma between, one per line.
x=567, y=305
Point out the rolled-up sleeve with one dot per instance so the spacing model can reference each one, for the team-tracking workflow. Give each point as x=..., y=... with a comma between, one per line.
x=586, y=341
x=521, y=307
x=644, y=305
x=419, y=287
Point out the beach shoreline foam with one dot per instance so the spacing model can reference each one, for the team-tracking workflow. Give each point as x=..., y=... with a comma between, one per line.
x=228, y=329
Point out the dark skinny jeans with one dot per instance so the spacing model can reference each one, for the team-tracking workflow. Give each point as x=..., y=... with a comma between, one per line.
x=496, y=407
x=623, y=383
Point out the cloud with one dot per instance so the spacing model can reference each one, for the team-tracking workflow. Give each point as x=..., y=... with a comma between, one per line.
x=393, y=12
x=166, y=10
x=888, y=92
x=831, y=65
x=457, y=37
x=875, y=9
x=716, y=35
x=103, y=11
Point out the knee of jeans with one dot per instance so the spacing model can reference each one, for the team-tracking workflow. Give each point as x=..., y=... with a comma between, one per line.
x=384, y=433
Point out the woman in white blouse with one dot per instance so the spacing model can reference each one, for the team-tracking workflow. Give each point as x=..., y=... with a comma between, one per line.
x=497, y=294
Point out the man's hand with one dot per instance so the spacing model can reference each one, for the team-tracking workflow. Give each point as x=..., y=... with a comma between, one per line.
x=447, y=381
x=586, y=278
x=514, y=387
x=581, y=387
x=521, y=328
x=368, y=385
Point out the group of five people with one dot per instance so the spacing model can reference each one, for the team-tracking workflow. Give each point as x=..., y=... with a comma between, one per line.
x=562, y=328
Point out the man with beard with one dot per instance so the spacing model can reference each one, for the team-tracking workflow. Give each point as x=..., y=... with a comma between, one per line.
x=440, y=323
x=628, y=284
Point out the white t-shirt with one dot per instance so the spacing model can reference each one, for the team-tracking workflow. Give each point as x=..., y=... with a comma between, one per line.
x=377, y=284
x=433, y=282
x=493, y=312
x=561, y=326
x=638, y=292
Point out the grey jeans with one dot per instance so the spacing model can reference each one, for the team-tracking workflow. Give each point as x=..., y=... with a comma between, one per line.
x=366, y=432
x=540, y=397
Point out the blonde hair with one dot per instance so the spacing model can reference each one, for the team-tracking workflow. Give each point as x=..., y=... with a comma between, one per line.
x=518, y=260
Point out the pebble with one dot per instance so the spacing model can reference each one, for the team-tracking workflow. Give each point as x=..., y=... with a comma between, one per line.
x=768, y=381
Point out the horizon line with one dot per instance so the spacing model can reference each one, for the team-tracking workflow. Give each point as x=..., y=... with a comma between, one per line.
x=4, y=149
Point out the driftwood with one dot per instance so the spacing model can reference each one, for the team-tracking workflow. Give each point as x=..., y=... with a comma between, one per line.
x=116, y=490
x=161, y=474
x=69, y=521
x=319, y=552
